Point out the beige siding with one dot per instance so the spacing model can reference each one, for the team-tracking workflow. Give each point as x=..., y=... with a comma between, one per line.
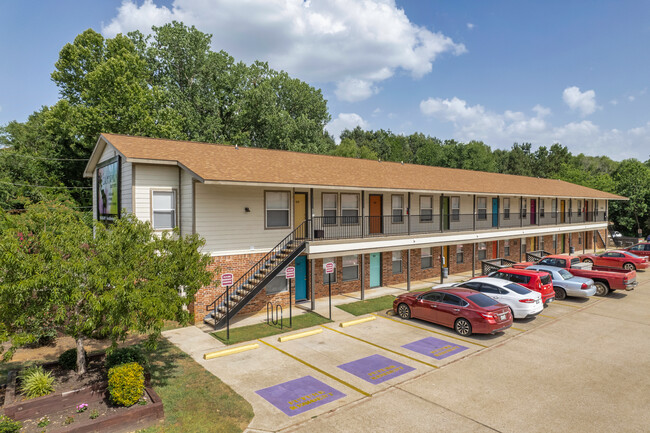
x=222, y=221
x=148, y=178
x=186, y=203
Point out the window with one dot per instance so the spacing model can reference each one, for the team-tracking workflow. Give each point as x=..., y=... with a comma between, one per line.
x=398, y=208
x=426, y=209
x=330, y=208
x=455, y=208
x=454, y=300
x=459, y=254
x=524, y=207
x=277, y=284
x=554, y=242
x=350, y=208
x=277, y=209
x=482, y=250
x=426, y=258
x=163, y=209
x=519, y=289
x=579, y=238
x=489, y=288
x=595, y=208
x=433, y=296
x=541, y=208
x=506, y=247
x=482, y=208
x=579, y=207
x=350, y=268
x=482, y=300
x=506, y=208
x=397, y=262
x=554, y=206
x=333, y=274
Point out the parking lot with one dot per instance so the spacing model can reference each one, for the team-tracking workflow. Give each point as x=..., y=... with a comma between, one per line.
x=581, y=365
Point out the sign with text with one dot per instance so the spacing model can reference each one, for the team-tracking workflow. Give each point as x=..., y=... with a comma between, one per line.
x=329, y=268
x=226, y=280
x=299, y=395
x=376, y=368
x=290, y=272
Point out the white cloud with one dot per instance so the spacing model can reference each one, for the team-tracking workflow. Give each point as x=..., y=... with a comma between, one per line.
x=470, y=26
x=354, y=43
x=631, y=98
x=614, y=102
x=345, y=121
x=584, y=102
x=475, y=122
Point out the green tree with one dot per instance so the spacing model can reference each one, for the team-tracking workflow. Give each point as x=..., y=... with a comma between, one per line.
x=58, y=274
x=632, y=180
x=349, y=149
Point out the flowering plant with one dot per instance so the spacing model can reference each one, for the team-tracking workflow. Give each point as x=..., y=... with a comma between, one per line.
x=82, y=407
x=43, y=421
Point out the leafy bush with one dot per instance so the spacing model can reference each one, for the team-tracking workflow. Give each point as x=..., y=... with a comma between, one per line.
x=126, y=383
x=68, y=359
x=36, y=382
x=8, y=425
x=125, y=355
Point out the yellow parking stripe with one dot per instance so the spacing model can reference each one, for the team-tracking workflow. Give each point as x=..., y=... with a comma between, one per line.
x=317, y=369
x=430, y=330
x=518, y=329
x=381, y=347
x=544, y=315
x=565, y=304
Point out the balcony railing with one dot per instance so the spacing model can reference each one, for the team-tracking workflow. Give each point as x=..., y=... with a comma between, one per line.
x=350, y=227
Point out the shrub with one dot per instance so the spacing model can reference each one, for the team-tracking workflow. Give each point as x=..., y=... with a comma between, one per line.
x=8, y=425
x=68, y=359
x=36, y=382
x=126, y=383
x=125, y=355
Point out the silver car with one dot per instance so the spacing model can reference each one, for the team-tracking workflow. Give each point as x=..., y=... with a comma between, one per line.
x=566, y=284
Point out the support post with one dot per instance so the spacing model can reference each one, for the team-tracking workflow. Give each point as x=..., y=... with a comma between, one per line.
x=408, y=270
x=363, y=221
x=441, y=264
x=521, y=218
x=227, y=312
x=290, y=302
x=329, y=278
x=473, y=259
x=474, y=213
x=520, y=245
x=363, y=277
x=312, y=285
x=408, y=213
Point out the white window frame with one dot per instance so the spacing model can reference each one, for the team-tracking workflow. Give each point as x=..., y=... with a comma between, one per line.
x=460, y=257
x=579, y=207
x=343, y=267
x=542, y=212
x=455, y=208
x=428, y=217
x=397, y=218
x=482, y=248
x=325, y=277
x=173, y=211
x=481, y=211
x=426, y=253
x=330, y=220
x=506, y=208
x=524, y=207
x=350, y=219
x=287, y=210
x=396, y=257
x=506, y=247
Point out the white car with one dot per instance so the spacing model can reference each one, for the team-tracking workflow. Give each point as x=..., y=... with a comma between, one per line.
x=523, y=302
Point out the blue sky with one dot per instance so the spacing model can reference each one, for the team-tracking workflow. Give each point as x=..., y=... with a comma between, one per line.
x=573, y=72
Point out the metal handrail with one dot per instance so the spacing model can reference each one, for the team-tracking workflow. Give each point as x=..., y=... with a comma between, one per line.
x=302, y=230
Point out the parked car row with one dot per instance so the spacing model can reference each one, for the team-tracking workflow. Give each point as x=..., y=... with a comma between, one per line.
x=489, y=304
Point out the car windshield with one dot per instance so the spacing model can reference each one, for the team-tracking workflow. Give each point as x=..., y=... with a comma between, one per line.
x=566, y=275
x=517, y=288
x=481, y=300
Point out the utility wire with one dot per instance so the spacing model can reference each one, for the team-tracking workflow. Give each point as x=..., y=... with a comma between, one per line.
x=43, y=186
x=42, y=158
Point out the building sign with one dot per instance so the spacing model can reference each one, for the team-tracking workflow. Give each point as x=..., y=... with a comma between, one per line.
x=226, y=280
x=376, y=368
x=329, y=268
x=435, y=348
x=108, y=190
x=300, y=395
x=290, y=272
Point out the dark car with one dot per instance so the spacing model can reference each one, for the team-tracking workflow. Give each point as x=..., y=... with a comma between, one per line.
x=465, y=310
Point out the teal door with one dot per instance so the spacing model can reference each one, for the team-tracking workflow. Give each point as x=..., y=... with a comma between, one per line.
x=495, y=212
x=375, y=270
x=301, y=278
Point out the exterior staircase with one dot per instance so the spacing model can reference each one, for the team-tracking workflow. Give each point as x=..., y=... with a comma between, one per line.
x=256, y=278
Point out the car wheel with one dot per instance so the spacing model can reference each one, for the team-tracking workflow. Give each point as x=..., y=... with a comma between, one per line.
x=463, y=327
x=629, y=267
x=601, y=288
x=560, y=293
x=512, y=313
x=588, y=261
x=404, y=311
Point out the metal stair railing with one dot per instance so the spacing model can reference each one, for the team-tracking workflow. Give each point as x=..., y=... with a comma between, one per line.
x=536, y=256
x=260, y=274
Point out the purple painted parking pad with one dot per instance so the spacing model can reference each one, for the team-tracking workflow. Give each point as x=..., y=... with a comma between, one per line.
x=376, y=368
x=299, y=395
x=434, y=347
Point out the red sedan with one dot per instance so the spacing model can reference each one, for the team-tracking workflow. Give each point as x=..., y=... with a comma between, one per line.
x=465, y=310
x=617, y=259
x=641, y=250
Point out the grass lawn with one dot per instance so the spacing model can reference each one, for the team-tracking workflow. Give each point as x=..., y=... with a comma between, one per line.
x=261, y=330
x=194, y=400
x=360, y=308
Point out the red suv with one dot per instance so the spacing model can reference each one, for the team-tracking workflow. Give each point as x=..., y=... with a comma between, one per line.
x=534, y=280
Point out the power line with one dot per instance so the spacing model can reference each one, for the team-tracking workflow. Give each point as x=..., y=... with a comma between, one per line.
x=43, y=186
x=42, y=158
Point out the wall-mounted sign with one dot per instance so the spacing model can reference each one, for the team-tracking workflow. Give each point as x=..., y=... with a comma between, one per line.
x=108, y=190
x=226, y=280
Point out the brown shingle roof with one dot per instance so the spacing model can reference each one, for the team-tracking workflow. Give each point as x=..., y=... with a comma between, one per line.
x=214, y=162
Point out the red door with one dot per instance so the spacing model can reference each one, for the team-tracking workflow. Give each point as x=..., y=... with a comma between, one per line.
x=495, y=249
x=533, y=211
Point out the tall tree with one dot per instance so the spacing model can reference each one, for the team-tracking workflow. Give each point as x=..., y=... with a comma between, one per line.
x=632, y=180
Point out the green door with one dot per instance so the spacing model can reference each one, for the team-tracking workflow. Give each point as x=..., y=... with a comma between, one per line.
x=445, y=213
x=375, y=270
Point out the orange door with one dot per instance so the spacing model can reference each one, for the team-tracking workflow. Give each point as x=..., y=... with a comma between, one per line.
x=495, y=249
x=375, y=214
x=562, y=209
